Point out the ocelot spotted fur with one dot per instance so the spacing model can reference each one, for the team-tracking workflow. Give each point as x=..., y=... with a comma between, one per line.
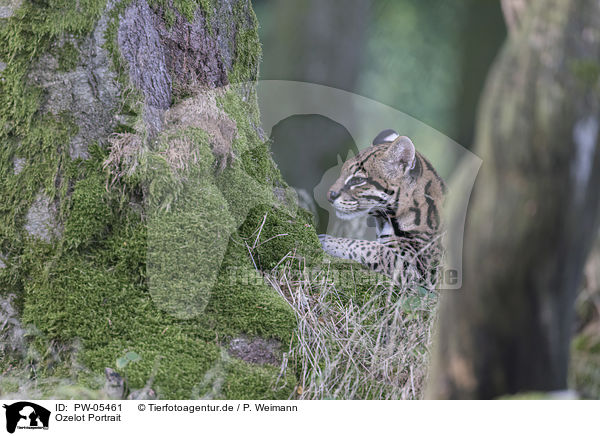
x=393, y=183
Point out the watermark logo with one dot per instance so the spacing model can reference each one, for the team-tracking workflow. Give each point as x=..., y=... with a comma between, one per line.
x=197, y=198
x=25, y=415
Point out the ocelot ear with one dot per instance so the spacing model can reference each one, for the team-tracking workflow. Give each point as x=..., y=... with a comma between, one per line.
x=384, y=136
x=400, y=156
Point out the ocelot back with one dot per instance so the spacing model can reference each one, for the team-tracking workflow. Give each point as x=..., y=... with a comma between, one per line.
x=391, y=182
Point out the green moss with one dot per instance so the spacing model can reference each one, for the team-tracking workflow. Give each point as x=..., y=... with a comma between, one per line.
x=32, y=30
x=172, y=360
x=584, y=366
x=247, y=48
x=79, y=299
x=37, y=138
x=67, y=56
x=231, y=378
x=257, y=163
x=586, y=343
x=587, y=71
x=243, y=303
x=254, y=175
x=282, y=235
x=242, y=192
x=246, y=382
x=125, y=249
x=90, y=213
x=185, y=249
x=244, y=111
x=41, y=151
x=187, y=8
x=166, y=183
x=111, y=315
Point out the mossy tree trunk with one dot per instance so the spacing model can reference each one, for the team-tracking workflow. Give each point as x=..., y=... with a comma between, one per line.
x=133, y=172
x=533, y=212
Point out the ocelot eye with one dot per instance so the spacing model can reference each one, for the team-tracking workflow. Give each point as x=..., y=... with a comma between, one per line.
x=357, y=181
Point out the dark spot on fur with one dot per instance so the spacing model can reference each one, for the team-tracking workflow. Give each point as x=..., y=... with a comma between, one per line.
x=433, y=219
x=379, y=186
x=372, y=197
x=417, y=213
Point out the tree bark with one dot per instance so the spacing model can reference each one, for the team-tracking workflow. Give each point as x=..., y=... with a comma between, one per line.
x=532, y=214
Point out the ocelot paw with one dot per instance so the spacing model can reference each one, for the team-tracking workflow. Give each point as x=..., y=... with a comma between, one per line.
x=325, y=242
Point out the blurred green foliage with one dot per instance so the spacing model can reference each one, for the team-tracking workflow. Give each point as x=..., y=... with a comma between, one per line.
x=413, y=60
x=427, y=58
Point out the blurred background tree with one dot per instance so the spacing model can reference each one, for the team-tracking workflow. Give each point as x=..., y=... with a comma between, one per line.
x=533, y=213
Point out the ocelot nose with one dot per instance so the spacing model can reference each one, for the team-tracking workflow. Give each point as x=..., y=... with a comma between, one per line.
x=332, y=195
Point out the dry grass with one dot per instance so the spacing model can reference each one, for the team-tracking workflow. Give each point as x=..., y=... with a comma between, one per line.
x=180, y=154
x=127, y=149
x=201, y=110
x=124, y=156
x=376, y=348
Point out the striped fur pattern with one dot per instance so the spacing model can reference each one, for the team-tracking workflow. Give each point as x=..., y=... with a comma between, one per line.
x=391, y=182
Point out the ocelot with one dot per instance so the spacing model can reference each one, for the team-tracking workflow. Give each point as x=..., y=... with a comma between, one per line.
x=394, y=184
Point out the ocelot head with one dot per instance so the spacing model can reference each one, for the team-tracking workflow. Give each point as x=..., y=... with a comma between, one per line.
x=390, y=179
